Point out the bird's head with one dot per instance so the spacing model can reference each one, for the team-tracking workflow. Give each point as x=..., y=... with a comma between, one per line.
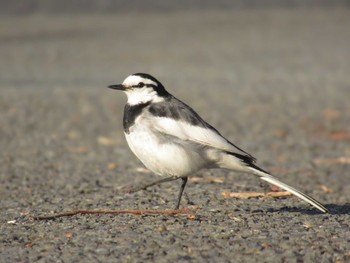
x=141, y=88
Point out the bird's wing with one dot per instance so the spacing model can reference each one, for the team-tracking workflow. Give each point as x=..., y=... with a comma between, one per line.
x=186, y=124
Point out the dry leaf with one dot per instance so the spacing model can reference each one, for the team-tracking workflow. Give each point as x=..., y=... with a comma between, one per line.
x=256, y=194
x=307, y=225
x=330, y=114
x=192, y=217
x=339, y=135
x=162, y=228
x=326, y=189
x=112, y=166
x=234, y=218
x=218, y=180
x=73, y=135
x=142, y=170
x=274, y=188
x=106, y=141
x=80, y=149
x=69, y=235
x=280, y=133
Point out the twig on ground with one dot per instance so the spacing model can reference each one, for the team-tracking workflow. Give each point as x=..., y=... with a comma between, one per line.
x=339, y=160
x=185, y=211
x=256, y=194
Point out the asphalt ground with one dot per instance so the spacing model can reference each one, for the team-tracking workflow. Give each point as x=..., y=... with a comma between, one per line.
x=275, y=82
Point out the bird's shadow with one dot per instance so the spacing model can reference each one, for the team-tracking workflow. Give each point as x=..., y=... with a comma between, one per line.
x=334, y=209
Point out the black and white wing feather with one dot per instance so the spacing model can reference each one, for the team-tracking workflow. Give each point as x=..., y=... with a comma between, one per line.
x=177, y=119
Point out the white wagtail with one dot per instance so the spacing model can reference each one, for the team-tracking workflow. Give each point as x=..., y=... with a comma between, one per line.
x=172, y=140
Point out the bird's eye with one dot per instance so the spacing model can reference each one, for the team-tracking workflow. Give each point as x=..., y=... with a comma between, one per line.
x=141, y=84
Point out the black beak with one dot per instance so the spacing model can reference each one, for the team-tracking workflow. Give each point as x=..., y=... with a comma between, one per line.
x=117, y=86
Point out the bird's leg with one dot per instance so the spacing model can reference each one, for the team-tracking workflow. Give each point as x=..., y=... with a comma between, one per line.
x=183, y=184
x=144, y=187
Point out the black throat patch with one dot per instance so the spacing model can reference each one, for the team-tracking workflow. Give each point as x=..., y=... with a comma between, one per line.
x=130, y=114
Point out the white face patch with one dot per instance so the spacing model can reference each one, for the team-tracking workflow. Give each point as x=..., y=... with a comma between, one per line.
x=139, y=95
x=142, y=95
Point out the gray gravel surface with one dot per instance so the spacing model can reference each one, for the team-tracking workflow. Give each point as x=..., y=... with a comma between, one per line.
x=275, y=82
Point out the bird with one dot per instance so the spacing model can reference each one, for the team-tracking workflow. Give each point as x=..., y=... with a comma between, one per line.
x=173, y=141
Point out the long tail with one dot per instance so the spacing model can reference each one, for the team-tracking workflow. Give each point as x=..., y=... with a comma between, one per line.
x=273, y=180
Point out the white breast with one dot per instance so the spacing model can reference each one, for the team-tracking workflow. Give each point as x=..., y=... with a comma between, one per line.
x=161, y=156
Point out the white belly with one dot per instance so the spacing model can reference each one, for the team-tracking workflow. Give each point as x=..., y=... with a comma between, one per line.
x=163, y=157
